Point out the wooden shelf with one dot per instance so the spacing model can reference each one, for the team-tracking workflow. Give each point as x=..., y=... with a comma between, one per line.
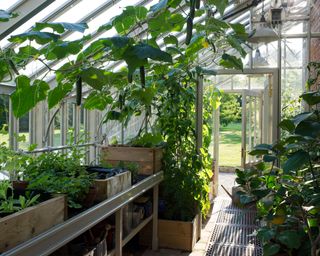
x=51, y=240
x=132, y=233
x=136, y=230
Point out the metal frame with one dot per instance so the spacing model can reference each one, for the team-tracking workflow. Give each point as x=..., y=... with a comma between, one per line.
x=26, y=10
x=51, y=240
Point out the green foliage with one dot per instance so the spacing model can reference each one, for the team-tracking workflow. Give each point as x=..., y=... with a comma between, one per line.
x=167, y=88
x=88, y=62
x=8, y=203
x=147, y=140
x=59, y=173
x=13, y=162
x=290, y=206
x=230, y=109
x=35, y=93
x=61, y=27
x=187, y=173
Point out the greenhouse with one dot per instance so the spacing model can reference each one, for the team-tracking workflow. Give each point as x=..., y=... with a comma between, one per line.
x=159, y=127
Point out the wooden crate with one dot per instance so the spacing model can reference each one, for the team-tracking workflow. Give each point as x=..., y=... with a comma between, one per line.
x=173, y=234
x=148, y=159
x=107, y=188
x=25, y=224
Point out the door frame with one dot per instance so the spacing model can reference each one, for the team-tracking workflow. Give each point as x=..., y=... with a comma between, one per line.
x=276, y=108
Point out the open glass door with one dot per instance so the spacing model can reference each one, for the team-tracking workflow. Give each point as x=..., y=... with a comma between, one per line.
x=252, y=116
x=260, y=93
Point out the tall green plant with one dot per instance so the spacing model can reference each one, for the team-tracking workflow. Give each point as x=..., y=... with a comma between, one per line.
x=187, y=173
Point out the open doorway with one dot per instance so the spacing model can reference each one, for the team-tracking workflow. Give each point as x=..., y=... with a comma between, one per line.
x=256, y=95
x=230, y=131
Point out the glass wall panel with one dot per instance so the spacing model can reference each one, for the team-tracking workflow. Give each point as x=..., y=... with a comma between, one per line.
x=57, y=129
x=4, y=119
x=24, y=135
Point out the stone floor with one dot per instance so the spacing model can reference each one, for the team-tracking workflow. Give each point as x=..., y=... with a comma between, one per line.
x=227, y=180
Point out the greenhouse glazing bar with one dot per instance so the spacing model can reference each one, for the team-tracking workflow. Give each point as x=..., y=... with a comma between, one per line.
x=53, y=239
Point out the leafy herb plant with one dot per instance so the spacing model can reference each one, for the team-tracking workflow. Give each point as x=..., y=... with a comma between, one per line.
x=8, y=203
x=60, y=173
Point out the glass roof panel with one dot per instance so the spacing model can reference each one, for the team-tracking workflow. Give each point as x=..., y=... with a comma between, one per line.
x=37, y=18
x=7, y=5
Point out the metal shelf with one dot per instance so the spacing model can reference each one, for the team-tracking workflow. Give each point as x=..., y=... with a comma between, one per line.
x=56, y=237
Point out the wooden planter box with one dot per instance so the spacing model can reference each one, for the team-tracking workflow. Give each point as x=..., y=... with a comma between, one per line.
x=148, y=159
x=109, y=187
x=173, y=234
x=23, y=225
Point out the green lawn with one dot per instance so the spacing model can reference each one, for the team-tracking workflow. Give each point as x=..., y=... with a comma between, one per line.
x=25, y=144
x=230, y=145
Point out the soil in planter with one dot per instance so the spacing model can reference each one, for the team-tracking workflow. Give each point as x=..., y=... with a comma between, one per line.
x=104, y=173
x=139, y=178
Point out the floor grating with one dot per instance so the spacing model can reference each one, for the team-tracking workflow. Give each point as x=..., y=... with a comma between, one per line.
x=232, y=231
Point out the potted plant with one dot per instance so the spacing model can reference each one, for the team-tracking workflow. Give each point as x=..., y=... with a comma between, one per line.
x=109, y=181
x=60, y=173
x=146, y=148
x=35, y=213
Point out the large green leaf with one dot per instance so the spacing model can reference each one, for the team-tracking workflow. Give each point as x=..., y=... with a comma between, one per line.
x=236, y=44
x=171, y=40
x=26, y=52
x=221, y=5
x=97, y=100
x=105, y=27
x=271, y=249
x=308, y=129
x=301, y=117
x=116, y=46
x=216, y=25
x=129, y=18
x=61, y=27
x=296, y=161
x=144, y=95
x=196, y=44
x=94, y=77
x=165, y=22
x=62, y=49
x=138, y=55
x=287, y=125
x=266, y=234
x=176, y=22
x=39, y=37
x=290, y=238
x=58, y=93
x=312, y=98
x=229, y=61
x=26, y=96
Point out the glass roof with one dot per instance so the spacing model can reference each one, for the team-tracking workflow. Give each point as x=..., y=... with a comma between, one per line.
x=8, y=5
x=98, y=12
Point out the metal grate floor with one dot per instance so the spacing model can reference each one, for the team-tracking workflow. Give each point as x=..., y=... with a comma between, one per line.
x=232, y=231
